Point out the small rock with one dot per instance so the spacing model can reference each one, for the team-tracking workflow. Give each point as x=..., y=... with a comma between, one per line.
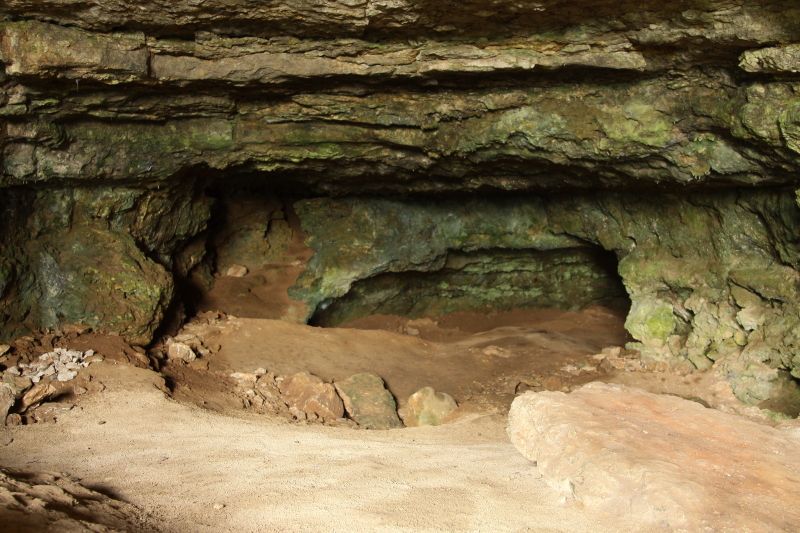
x=312, y=396
x=219, y=506
x=7, y=399
x=38, y=394
x=236, y=271
x=245, y=379
x=426, y=407
x=496, y=351
x=66, y=375
x=186, y=338
x=4, y=349
x=368, y=402
x=180, y=351
x=14, y=419
x=612, y=351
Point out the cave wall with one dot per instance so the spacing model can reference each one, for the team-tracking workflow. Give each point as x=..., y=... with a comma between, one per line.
x=666, y=134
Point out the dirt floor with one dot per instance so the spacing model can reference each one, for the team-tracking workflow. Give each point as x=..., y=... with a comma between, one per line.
x=187, y=446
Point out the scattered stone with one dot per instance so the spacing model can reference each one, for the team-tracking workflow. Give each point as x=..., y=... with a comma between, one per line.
x=496, y=351
x=36, y=395
x=61, y=363
x=426, y=407
x=14, y=419
x=367, y=401
x=219, y=506
x=178, y=351
x=311, y=395
x=7, y=400
x=4, y=348
x=244, y=379
x=66, y=375
x=236, y=271
x=663, y=461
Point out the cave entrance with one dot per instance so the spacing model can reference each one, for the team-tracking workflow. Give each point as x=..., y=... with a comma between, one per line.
x=480, y=324
x=486, y=282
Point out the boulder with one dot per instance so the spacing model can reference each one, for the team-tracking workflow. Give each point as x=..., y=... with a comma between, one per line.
x=426, y=407
x=312, y=396
x=663, y=461
x=367, y=401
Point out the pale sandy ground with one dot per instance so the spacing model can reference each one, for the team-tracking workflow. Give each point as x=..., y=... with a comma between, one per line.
x=178, y=461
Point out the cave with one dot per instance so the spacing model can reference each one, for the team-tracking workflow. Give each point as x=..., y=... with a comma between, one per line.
x=404, y=265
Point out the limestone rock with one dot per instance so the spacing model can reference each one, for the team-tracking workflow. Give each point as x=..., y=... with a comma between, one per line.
x=664, y=461
x=777, y=59
x=236, y=271
x=426, y=407
x=116, y=118
x=37, y=394
x=311, y=395
x=178, y=351
x=7, y=399
x=367, y=401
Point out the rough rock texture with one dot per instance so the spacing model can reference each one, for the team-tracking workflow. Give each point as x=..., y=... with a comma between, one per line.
x=734, y=299
x=667, y=134
x=312, y=396
x=367, y=401
x=665, y=461
x=426, y=407
x=53, y=502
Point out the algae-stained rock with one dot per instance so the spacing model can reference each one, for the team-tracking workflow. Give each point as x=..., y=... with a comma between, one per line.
x=426, y=407
x=775, y=59
x=311, y=395
x=36, y=49
x=101, y=279
x=665, y=462
x=367, y=401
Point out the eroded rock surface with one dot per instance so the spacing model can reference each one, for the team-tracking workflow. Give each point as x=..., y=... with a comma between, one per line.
x=367, y=401
x=667, y=136
x=54, y=502
x=660, y=459
x=426, y=407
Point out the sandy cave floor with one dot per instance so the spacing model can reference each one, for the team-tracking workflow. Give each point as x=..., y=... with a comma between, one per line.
x=183, y=448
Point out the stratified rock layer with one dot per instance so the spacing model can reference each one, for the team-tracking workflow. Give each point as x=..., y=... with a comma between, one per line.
x=663, y=461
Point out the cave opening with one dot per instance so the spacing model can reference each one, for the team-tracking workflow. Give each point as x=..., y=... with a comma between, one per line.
x=418, y=291
x=486, y=281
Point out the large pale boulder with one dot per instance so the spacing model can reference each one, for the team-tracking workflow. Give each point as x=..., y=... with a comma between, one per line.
x=666, y=462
